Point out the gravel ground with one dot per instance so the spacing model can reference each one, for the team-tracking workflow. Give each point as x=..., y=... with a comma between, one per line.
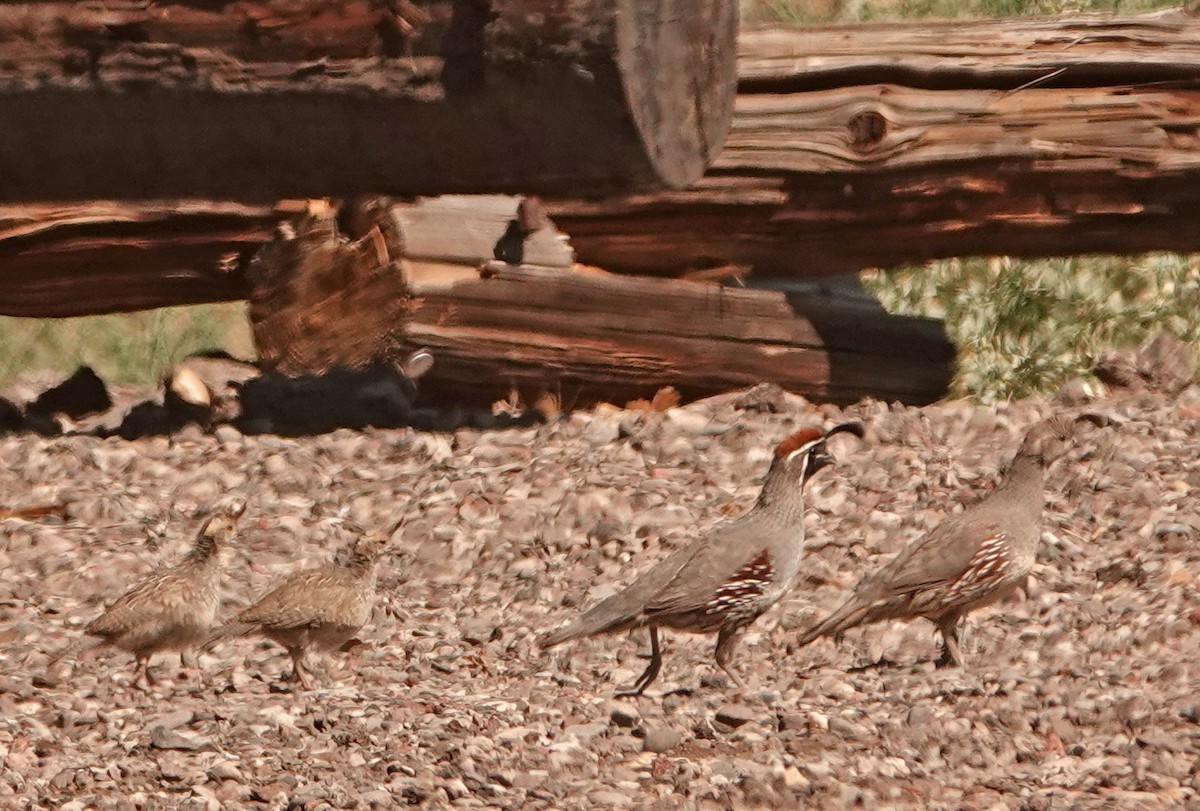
x=1081, y=694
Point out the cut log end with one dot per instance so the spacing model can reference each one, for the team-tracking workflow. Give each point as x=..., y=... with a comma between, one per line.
x=680, y=83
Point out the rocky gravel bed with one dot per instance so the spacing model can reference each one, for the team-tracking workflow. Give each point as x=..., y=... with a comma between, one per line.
x=1084, y=693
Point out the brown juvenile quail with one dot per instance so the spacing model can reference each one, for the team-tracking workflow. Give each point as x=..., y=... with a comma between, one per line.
x=724, y=580
x=322, y=608
x=969, y=561
x=171, y=609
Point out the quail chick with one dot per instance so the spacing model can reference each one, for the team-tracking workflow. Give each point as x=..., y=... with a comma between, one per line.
x=319, y=608
x=970, y=560
x=727, y=578
x=172, y=609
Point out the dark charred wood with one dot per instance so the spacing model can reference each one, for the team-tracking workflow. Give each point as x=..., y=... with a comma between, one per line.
x=80, y=395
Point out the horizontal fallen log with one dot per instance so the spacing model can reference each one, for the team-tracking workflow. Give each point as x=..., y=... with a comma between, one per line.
x=59, y=260
x=1075, y=50
x=880, y=145
x=814, y=180
x=264, y=99
x=62, y=260
x=579, y=335
x=587, y=336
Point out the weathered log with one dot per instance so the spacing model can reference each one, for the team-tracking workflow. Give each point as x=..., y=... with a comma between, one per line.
x=582, y=335
x=813, y=180
x=586, y=336
x=265, y=99
x=1076, y=50
x=63, y=260
x=1025, y=137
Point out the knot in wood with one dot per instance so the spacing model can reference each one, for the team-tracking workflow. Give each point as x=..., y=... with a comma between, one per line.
x=866, y=129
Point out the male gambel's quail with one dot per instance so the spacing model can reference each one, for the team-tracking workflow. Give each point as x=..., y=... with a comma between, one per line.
x=171, y=609
x=724, y=580
x=970, y=560
x=322, y=608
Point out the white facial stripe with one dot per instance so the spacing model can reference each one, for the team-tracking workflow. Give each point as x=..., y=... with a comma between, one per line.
x=804, y=468
x=806, y=448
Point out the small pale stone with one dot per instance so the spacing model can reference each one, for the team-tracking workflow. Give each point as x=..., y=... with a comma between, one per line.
x=227, y=434
x=660, y=739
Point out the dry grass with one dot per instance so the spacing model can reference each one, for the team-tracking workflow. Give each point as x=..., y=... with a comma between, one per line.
x=125, y=348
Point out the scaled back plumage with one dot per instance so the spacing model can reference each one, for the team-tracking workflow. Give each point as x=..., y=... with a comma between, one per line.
x=322, y=607
x=969, y=560
x=172, y=608
x=726, y=578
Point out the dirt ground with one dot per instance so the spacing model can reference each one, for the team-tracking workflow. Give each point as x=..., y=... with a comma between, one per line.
x=1085, y=693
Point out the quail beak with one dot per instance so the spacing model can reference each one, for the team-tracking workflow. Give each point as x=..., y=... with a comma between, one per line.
x=820, y=458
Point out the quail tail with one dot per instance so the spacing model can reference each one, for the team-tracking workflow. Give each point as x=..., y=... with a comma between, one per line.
x=851, y=614
x=607, y=616
x=229, y=631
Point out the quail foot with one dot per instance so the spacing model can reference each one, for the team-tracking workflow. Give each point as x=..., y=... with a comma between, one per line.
x=969, y=561
x=319, y=608
x=172, y=609
x=725, y=579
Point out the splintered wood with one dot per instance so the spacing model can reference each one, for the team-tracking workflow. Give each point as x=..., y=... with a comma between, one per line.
x=317, y=301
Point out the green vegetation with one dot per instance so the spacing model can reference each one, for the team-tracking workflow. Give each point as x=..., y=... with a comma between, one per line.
x=1021, y=326
x=1025, y=326
x=131, y=348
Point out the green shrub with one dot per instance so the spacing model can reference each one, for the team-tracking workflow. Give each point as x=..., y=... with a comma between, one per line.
x=125, y=348
x=1025, y=326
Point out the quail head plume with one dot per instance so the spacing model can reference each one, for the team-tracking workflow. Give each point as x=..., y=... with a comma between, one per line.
x=172, y=608
x=724, y=579
x=970, y=560
x=319, y=608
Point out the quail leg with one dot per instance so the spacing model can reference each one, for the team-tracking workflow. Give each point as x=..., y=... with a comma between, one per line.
x=727, y=640
x=951, y=655
x=651, y=672
x=142, y=672
x=298, y=667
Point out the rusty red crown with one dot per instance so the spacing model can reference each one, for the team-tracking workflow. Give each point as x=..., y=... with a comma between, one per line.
x=797, y=441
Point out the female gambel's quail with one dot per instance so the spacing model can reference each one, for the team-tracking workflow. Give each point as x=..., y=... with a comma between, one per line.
x=172, y=609
x=322, y=608
x=724, y=580
x=969, y=561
